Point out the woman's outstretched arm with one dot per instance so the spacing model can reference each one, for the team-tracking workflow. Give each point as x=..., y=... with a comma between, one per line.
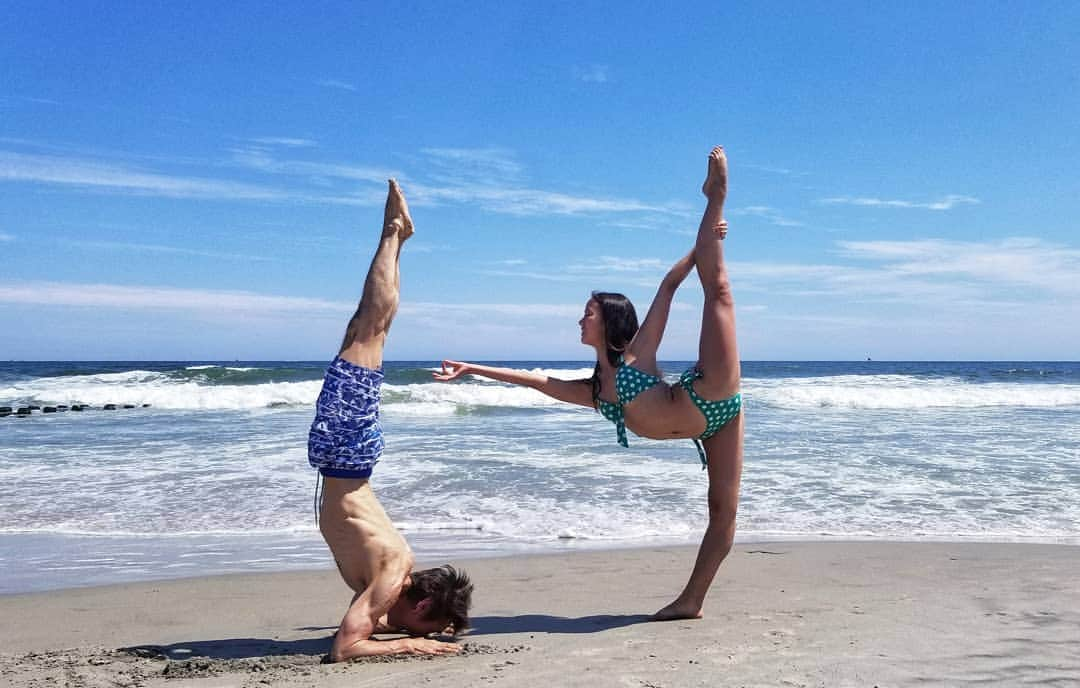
x=571, y=391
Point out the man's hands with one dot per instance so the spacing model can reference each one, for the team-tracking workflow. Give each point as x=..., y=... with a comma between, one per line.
x=427, y=646
x=452, y=370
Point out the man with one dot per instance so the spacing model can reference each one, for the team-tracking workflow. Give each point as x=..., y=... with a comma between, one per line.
x=345, y=442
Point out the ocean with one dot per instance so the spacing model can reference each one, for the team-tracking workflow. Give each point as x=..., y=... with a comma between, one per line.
x=212, y=476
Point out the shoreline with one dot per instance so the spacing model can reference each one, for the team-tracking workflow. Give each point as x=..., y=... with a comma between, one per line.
x=803, y=612
x=310, y=548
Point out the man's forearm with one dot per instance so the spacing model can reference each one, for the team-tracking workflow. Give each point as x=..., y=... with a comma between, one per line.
x=371, y=648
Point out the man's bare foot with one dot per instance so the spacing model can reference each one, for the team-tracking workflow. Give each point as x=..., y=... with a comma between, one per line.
x=715, y=186
x=677, y=610
x=396, y=217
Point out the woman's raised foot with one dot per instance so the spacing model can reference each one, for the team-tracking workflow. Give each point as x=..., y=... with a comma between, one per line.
x=715, y=186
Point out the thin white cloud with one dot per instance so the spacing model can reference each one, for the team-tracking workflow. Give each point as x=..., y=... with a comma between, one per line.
x=262, y=161
x=251, y=303
x=70, y=151
x=28, y=99
x=482, y=177
x=929, y=276
x=426, y=247
x=336, y=83
x=1015, y=261
x=507, y=310
x=846, y=283
x=628, y=272
x=651, y=225
x=92, y=174
x=542, y=276
x=770, y=215
x=524, y=201
x=947, y=203
x=326, y=183
x=511, y=262
x=155, y=248
x=773, y=170
x=285, y=141
x=592, y=74
x=498, y=163
x=616, y=264
x=6, y=237
x=488, y=177
x=157, y=298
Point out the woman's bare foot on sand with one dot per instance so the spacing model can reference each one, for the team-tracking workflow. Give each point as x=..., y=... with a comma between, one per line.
x=678, y=610
x=396, y=219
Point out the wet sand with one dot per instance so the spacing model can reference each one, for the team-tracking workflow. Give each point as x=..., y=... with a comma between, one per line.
x=779, y=614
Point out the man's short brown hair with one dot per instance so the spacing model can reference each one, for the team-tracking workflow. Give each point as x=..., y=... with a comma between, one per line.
x=450, y=592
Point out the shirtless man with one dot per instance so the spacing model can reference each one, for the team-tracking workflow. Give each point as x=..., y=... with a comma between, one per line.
x=345, y=442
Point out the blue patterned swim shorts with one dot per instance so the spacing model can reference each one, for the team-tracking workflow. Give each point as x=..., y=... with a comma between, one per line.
x=346, y=439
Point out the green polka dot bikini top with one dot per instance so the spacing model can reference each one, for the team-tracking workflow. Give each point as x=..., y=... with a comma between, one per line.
x=630, y=382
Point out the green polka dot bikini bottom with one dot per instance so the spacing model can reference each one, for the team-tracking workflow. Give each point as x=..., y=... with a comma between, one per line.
x=717, y=413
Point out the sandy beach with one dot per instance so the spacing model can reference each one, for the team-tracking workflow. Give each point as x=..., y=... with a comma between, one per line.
x=780, y=614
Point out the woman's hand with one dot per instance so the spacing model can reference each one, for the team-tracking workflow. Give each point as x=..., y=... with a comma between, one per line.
x=452, y=370
x=678, y=273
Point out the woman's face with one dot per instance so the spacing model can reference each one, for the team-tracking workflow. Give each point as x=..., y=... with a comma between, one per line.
x=592, y=325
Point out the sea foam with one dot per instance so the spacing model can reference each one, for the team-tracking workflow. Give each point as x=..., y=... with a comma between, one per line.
x=905, y=392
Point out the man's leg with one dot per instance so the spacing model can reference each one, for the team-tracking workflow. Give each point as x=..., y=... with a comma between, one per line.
x=367, y=330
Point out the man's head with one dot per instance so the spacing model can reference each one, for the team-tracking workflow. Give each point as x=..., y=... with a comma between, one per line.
x=435, y=600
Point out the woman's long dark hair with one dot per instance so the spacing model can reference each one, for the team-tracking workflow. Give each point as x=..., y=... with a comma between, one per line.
x=620, y=326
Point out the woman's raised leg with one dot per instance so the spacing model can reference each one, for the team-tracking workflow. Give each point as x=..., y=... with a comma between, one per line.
x=718, y=355
x=718, y=360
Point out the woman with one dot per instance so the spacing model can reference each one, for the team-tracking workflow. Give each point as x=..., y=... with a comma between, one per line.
x=626, y=386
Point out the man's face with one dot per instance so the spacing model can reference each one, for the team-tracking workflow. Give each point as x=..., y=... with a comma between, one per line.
x=410, y=618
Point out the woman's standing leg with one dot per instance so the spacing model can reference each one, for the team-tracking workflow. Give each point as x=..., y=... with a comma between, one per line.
x=725, y=454
x=718, y=360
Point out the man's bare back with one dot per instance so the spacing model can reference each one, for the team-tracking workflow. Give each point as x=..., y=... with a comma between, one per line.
x=376, y=562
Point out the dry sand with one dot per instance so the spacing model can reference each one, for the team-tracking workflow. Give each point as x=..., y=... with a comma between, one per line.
x=780, y=614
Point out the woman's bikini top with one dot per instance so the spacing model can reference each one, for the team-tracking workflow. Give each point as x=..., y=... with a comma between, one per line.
x=629, y=383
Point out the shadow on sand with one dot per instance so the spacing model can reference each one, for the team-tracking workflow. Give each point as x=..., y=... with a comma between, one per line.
x=543, y=623
x=247, y=648
x=233, y=648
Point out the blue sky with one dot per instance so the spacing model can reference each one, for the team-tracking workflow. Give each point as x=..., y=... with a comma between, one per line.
x=194, y=181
